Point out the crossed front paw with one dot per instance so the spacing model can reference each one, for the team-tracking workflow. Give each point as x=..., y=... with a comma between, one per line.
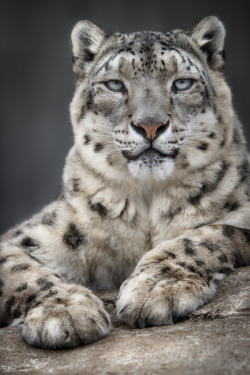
x=74, y=317
x=153, y=297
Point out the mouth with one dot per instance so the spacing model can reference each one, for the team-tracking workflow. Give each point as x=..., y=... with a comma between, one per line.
x=151, y=154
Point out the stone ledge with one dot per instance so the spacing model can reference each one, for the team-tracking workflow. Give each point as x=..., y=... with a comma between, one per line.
x=213, y=340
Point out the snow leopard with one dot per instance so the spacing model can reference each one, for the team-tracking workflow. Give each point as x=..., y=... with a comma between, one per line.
x=156, y=191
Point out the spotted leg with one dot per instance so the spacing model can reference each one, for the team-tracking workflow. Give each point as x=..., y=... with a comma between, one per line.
x=52, y=314
x=180, y=275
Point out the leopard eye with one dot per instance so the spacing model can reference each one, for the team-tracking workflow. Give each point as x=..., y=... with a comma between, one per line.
x=114, y=85
x=183, y=84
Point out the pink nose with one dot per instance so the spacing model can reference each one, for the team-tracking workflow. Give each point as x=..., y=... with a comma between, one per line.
x=151, y=129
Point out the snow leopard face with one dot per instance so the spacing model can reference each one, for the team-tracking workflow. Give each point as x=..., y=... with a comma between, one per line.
x=146, y=100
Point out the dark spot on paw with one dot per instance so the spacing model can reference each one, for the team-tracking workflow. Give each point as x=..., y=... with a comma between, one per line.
x=44, y=284
x=228, y=231
x=199, y=262
x=222, y=258
x=208, y=271
x=165, y=269
x=191, y=268
x=170, y=255
x=209, y=245
x=38, y=303
x=51, y=293
x=182, y=264
x=20, y=267
x=21, y=287
x=31, y=302
x=30, y=298
x=188, y=247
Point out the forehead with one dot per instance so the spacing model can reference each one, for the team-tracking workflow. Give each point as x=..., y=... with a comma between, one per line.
x=147, y=52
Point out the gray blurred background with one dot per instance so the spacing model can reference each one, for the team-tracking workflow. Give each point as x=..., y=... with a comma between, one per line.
x=37, y=84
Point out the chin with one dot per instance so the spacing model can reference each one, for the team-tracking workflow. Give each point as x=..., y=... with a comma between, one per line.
x=151, y=170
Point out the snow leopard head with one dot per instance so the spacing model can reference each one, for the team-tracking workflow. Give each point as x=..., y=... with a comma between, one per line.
x=150, y=103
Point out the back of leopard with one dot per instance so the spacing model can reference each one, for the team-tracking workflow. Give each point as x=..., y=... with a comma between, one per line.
x=156, y=191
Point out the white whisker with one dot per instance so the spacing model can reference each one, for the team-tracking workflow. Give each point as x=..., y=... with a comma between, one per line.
x=103, y=136
x=98, y=126
x=102, y=127
x=197, y=134
x=195, y=137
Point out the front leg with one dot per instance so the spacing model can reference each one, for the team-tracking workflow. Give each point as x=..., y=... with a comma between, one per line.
x=180, y=275
x=51, y=313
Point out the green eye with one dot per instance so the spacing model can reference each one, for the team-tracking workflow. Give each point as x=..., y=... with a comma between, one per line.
x=183, y=84
x=114, y=85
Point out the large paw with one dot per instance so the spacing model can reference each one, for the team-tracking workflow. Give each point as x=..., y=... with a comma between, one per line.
x=159, y=295
x=74, y=316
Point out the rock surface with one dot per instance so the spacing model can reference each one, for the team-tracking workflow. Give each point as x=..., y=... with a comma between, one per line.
x=214, y=340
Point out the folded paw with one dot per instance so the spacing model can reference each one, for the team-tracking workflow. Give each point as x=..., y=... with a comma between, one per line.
x=153, y=297
x=73, y=317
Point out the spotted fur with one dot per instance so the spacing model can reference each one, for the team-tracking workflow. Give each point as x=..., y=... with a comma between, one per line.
x=155, y=199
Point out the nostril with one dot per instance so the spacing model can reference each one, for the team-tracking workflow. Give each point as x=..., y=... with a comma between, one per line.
x=151, y=131
x=138, y=129
x=162, y=129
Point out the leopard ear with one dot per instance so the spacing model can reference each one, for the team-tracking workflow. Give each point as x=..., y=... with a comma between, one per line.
x=87, y=39
x=209, y=34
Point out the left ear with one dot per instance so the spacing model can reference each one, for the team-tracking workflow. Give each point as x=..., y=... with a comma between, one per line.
x=209, y=34
x=87, y=39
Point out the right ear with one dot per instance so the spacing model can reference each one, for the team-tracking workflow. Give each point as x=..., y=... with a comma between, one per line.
x=87, y=39
x=209, y=34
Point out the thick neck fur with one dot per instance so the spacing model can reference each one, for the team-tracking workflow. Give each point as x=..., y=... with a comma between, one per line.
x=187, y=180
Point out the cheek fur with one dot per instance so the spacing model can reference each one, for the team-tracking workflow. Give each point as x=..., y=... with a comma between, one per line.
x=112, y=105
x=188, y=103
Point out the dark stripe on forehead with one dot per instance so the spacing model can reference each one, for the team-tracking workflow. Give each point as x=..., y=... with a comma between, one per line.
x=195, y=66
x=179, y=53
x=105, y=65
